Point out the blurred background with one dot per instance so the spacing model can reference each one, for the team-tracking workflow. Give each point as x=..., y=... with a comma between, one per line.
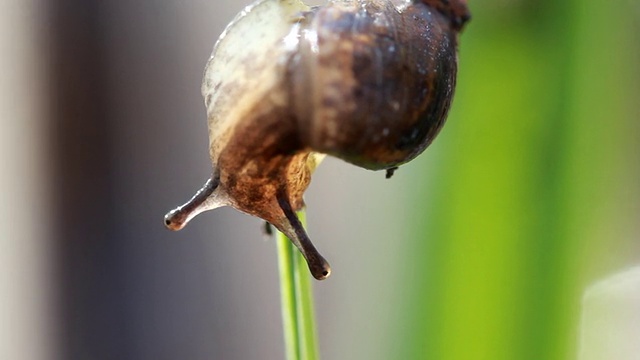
x=479, y=249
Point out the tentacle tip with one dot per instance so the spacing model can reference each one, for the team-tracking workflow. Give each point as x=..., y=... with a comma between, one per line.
x=267, y=229
x=321, y=272
x=174, y=220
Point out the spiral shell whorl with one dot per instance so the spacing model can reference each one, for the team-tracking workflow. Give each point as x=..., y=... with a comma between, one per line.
x=372, y=85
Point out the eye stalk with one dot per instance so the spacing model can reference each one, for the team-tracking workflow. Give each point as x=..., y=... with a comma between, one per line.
x=205, y=199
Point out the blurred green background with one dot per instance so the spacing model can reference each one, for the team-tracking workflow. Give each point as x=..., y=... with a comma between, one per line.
x=479, y=249
x=533, y=184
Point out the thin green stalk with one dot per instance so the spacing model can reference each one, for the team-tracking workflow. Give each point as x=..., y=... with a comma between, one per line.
x=304, y=294
x=288, y=297
x=296, y=301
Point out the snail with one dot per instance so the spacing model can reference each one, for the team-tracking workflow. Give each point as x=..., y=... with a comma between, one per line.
x=366, y=81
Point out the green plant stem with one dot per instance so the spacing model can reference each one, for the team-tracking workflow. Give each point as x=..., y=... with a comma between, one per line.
x=296, y=301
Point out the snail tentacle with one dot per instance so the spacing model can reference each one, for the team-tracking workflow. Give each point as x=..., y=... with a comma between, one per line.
x=209, y=197
x=293, y=229
x=267, y=229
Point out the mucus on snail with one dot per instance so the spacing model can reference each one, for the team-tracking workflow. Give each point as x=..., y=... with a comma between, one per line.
x=367, y=81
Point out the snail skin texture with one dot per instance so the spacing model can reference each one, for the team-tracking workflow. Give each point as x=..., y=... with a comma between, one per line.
x=367, y=81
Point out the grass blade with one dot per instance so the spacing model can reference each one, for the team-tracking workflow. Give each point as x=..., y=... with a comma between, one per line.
x=296, y=300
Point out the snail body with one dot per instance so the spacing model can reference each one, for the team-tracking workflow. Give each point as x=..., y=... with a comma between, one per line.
x=367, y=81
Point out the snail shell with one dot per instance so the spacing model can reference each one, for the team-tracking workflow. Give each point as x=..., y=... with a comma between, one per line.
x=367, y=81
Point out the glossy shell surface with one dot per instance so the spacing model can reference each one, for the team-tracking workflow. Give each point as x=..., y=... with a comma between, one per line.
x=369, y=82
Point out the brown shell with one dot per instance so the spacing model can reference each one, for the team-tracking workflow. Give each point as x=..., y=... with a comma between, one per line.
x=374, y=86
